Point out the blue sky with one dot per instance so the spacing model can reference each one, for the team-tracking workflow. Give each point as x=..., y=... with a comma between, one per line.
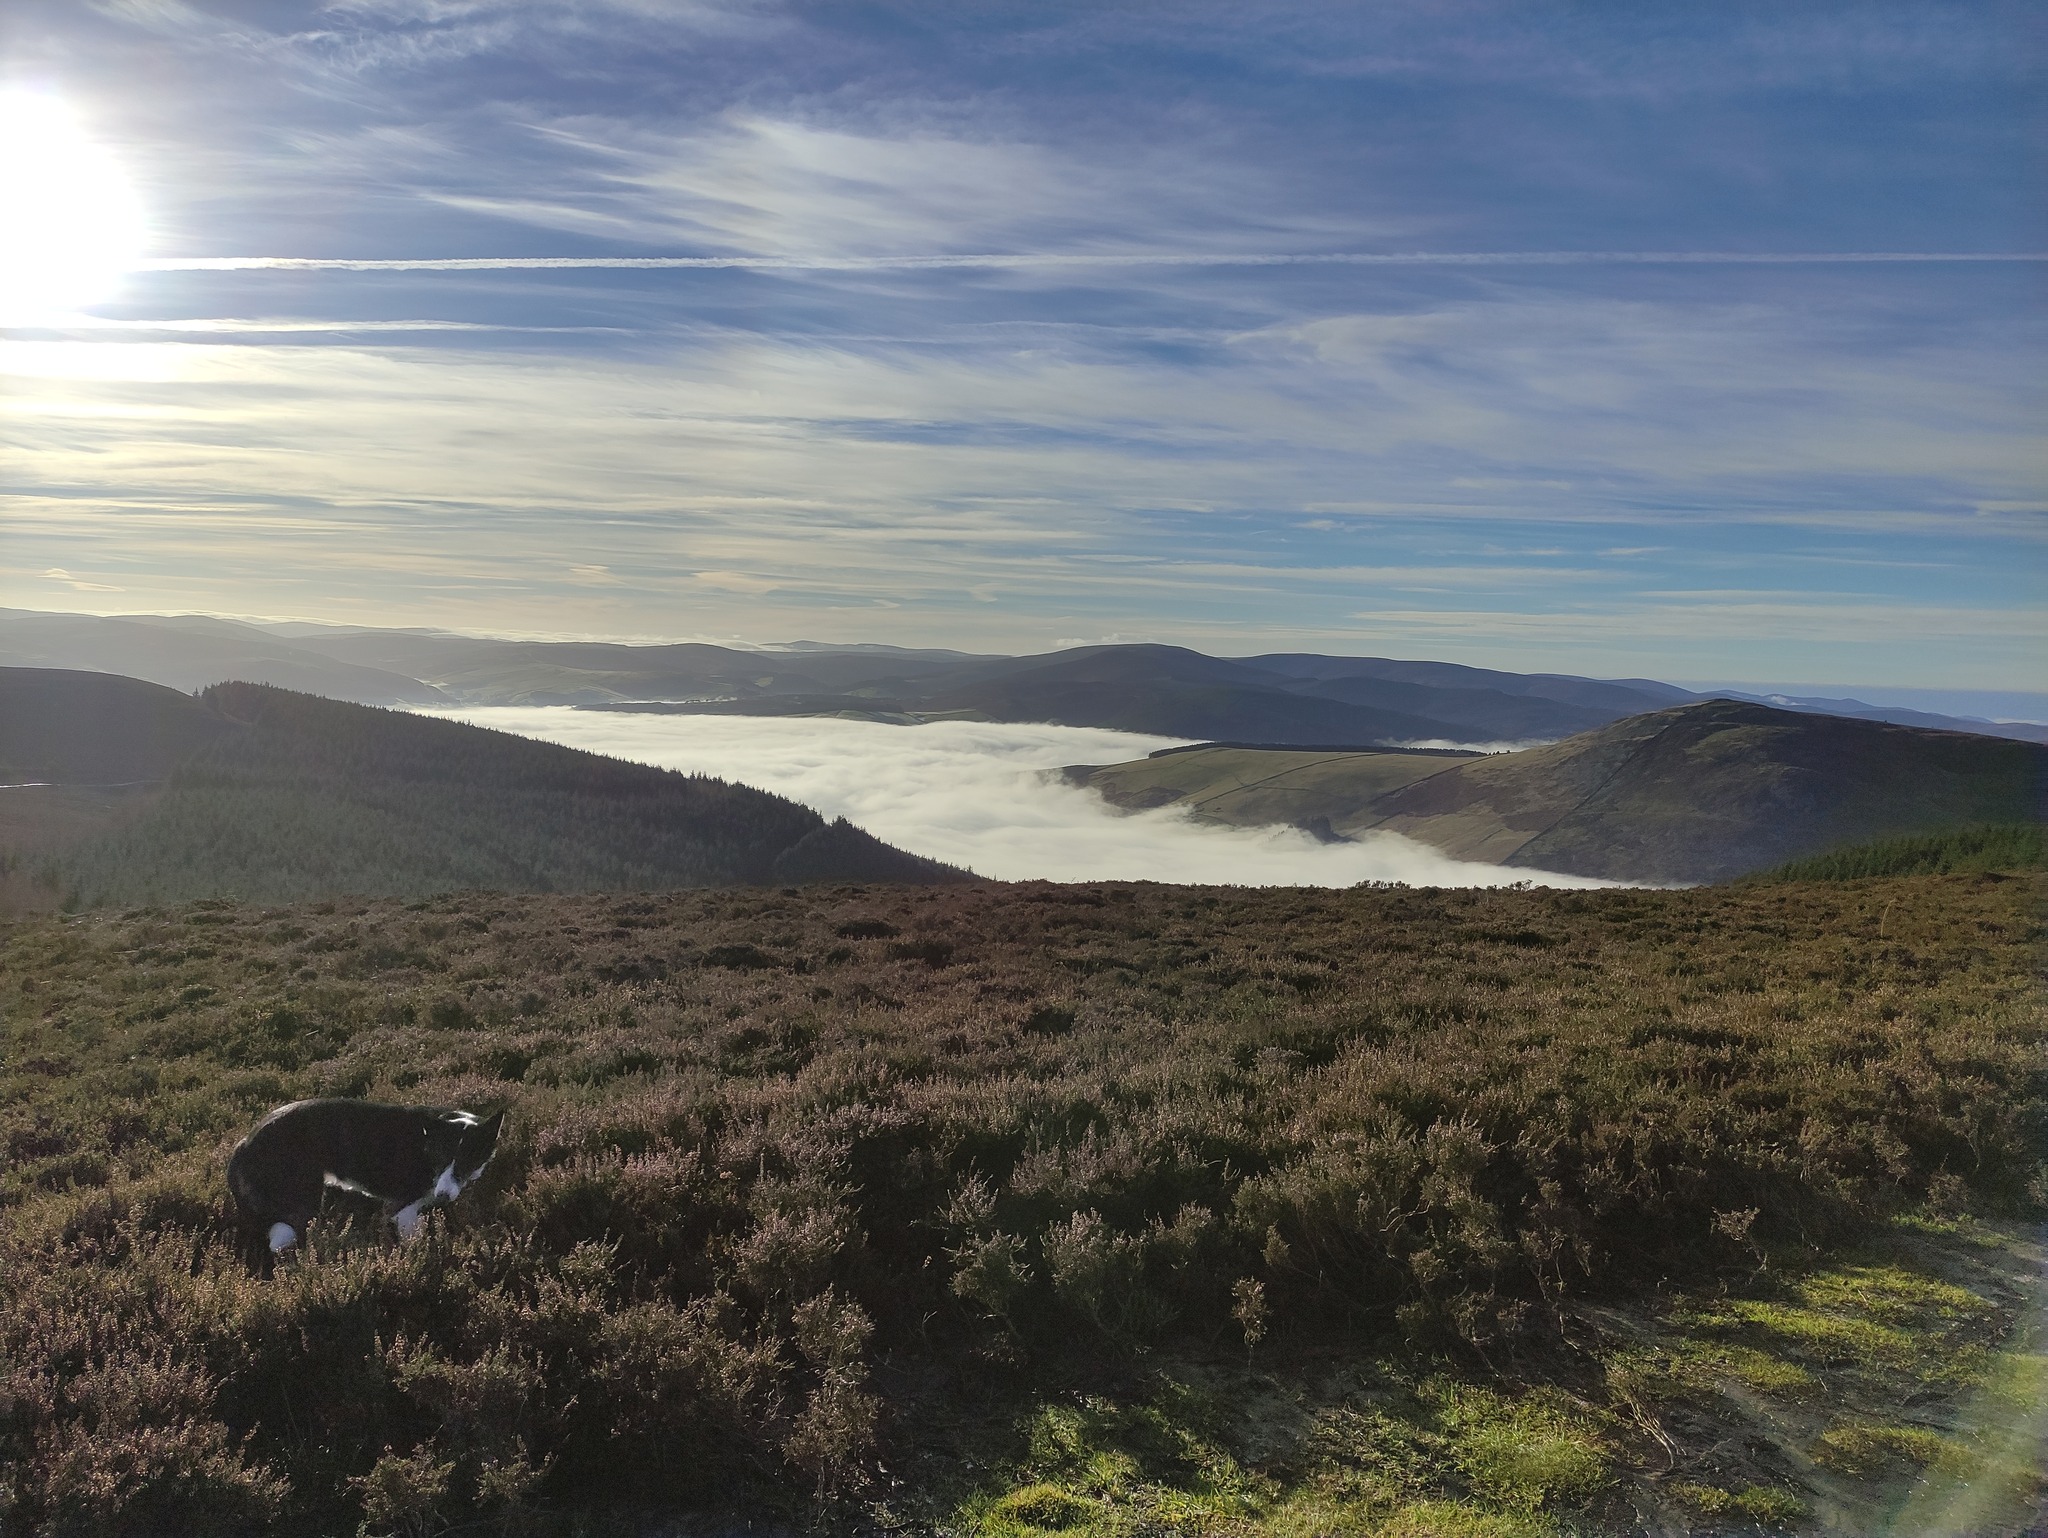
x=1520, y=445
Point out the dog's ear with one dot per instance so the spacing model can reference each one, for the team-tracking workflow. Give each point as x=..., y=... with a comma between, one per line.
x=484, y=1135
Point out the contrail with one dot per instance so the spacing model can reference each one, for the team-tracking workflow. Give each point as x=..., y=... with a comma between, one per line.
x=231, y=325
x=1050, y=259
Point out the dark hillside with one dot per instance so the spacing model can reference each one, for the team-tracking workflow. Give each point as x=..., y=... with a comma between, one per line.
x=1173, y=691
x=293, y=796
x=994, y=1210
x=1610, y=698
x=2010, y=846
x=74, y=728
x=1511, y=717
x=1177, y=709
x=493, y=672
x=1705, y=792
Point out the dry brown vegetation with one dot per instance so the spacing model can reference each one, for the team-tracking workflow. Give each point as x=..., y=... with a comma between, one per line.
x=795, y=1180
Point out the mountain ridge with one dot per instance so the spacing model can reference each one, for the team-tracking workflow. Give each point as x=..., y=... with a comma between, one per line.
x=1301, y=698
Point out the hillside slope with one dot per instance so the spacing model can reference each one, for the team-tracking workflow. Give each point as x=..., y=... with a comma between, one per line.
x=1705, y=792
x=75, y=728
x=285, y=796
x=190, y=651
x=1693, y=793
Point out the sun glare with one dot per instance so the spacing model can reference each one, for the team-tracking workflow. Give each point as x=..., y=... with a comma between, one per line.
x=70, y=225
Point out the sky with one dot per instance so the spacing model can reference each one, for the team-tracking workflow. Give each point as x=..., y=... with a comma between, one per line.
x=1670, y=340
x=980, y=795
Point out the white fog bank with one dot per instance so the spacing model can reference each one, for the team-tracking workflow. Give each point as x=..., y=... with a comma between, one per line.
x=977, y=794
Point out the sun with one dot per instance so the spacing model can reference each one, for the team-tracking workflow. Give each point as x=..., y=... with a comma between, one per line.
x=70, y=224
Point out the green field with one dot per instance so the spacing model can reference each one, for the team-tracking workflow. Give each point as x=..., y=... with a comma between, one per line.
x=1011, y=1210
x=1253, y=787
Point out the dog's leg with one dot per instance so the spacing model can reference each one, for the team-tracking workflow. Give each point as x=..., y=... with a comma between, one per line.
x=409, y=1219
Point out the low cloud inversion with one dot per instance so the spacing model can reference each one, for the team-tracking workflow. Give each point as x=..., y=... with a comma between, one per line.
x=977, y=794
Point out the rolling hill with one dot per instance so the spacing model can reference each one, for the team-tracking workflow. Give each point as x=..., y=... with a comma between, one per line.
x=1698, y=792
x=1172, y=691
x=190, y=651
x=265, y=795
x=1294, y=699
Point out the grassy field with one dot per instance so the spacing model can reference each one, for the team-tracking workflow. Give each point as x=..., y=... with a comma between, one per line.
x=1010, y=1210
x=1258, y=787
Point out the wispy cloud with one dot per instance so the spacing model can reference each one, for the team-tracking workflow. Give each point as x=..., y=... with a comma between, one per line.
x=229, y=325
x=78, y=584
x=1302, y=328
x=1023, y=260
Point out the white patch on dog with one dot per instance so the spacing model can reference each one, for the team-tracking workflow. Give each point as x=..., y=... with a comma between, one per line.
x=346, y=1185
x=282, y=1238
x=408, y=1219
x=446, y=1186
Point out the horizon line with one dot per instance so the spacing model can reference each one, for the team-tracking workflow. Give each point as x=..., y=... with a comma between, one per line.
x=1058, y=259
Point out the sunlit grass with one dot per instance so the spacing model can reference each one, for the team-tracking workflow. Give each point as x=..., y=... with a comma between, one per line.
x=1766, y=1505
x=1870, y=1448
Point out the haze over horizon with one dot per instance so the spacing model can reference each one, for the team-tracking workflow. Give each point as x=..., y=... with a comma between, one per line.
x=1649, y=343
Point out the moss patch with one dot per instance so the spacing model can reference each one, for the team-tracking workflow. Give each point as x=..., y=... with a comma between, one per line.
x=1766, y=1505
x=1870, y=1448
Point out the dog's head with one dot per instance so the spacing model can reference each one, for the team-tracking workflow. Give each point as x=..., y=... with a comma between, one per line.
x=459, y=1146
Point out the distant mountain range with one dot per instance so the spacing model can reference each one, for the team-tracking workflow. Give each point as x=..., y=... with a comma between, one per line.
x=114, y=790
x=1296, y=699
x=1691, y=793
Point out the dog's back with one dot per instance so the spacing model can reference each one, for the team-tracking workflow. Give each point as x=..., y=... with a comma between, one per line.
x=379, y=1149
x=406, y=1156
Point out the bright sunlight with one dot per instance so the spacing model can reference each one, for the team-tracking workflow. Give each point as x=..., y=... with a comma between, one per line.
x=70, y=224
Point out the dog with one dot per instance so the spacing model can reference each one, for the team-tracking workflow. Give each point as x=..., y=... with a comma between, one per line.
x=409, y=1157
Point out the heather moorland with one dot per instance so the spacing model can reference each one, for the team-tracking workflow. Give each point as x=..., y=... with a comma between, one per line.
x=1024, y=1209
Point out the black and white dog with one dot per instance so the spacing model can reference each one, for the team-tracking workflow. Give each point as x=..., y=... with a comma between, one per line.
x=409, y=1157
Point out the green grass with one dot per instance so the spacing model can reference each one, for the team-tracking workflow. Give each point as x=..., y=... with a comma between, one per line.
x=1766, y=1505
x=1868, y=1448
x=1878, y=1318
x=1377, y=1448
x=1448, y=1456
x=1522, y=1453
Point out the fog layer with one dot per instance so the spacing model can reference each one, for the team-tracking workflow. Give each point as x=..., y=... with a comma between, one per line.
x=978, y=794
